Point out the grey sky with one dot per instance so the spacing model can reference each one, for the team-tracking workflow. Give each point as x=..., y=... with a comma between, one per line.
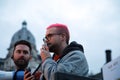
x=93, y=23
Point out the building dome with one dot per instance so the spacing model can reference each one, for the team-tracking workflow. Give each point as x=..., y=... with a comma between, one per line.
x=23, y=34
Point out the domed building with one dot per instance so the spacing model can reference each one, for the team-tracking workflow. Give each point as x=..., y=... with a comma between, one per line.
x=22, y=34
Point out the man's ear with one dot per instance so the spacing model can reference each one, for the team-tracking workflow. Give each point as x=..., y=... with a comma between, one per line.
x=63, y=35
x=30, y=57
x=12, y=56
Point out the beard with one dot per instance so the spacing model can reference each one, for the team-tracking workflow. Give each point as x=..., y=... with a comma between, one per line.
x=52, y=47
x=21, y=63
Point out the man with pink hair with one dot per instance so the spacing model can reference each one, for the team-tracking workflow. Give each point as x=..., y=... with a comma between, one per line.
x=67, y=58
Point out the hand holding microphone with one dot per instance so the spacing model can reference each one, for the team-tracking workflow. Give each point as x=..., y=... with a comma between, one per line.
x=44, y=51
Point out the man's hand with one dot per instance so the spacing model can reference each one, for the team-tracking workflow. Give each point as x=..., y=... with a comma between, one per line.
x=44, y=53
x=28, y=76
x=37, y=75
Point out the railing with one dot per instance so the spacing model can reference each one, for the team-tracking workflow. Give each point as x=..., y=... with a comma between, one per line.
x=66, y=76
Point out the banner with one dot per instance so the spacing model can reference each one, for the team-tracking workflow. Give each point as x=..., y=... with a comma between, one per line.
x=111, y=70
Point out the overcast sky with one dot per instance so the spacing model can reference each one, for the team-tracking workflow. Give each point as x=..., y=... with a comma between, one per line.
x=93, y=23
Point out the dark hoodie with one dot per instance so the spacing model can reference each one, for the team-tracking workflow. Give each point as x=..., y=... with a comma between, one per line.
x=71, y=47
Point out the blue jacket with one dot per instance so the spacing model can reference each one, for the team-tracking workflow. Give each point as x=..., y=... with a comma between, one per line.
x=72, y=61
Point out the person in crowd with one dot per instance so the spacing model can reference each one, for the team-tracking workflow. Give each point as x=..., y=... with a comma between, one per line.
x=21, y=57
x=67, y=57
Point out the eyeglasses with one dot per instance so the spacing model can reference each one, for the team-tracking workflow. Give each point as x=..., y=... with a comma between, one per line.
x=48, y=37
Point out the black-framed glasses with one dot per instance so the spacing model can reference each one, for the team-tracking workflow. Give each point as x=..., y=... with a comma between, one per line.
x=48, y=37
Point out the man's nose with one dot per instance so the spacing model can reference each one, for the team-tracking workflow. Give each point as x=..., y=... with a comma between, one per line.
x=21, y=54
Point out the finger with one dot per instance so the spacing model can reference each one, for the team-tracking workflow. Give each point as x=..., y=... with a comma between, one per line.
x=42, y=50
x=31, y=78
x=27, y=74
x=47, y=48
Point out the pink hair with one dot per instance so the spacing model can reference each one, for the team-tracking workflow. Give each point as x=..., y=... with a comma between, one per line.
x=62, y=28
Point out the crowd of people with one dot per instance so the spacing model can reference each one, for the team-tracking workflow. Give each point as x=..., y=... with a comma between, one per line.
x=68, y=57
